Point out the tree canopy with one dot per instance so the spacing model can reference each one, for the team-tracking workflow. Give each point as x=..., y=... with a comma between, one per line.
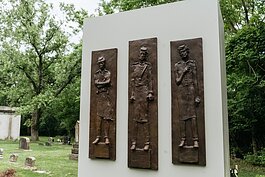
x=37, y=59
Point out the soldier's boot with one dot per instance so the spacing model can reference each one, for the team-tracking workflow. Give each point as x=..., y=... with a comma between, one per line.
x=133, y=146
x=107, y=140
x=96, y=141
x=182, y=142
x=146, y=146
x=195, y=143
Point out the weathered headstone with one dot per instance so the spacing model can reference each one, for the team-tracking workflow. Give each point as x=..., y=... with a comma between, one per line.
x=75, y=149
x=13, y=157
x=74, y=152
x=51, y=139
x=1, y=153
x=66, y=140
x=24, y=143
x=30, y=162
x=77, y=131
x=48, y=143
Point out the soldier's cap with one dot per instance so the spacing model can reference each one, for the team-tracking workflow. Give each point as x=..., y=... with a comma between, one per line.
x=101, y=59
x=183, y=48
x=143, y=49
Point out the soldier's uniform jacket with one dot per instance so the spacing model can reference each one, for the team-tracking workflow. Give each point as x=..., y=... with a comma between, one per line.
x=104, y=106
x=102, y=76
x=186, y=88
x=188, y=78
x=141, y=75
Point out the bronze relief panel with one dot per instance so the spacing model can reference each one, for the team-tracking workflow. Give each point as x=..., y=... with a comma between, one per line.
x=188, y=128
x=102, y=131
x=143, y=128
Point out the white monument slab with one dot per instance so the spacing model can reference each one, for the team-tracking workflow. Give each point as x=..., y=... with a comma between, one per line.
x=170, y=22
x=9, y=123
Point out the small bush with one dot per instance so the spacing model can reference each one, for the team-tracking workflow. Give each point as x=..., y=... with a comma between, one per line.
x=8, y=173
x=256, y=159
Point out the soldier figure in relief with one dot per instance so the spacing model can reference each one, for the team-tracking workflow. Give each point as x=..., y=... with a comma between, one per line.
x=104, y=106
x=186, y=80
x=141, y=95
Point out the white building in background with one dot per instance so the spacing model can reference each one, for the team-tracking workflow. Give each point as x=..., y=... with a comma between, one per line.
x=9, y=123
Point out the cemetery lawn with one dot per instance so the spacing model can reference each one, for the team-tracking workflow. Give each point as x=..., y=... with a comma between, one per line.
x=54, y=160
x=248, y=170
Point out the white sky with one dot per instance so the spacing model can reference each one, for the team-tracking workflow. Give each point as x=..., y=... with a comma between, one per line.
x=89, y=5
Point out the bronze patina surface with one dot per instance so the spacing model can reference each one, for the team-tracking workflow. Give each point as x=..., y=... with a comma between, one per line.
x=143, y=128
x=102, y=132
x=188, y=129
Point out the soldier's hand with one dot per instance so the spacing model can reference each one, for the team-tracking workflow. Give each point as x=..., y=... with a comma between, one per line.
x=132, y=99
x=197, y=100
x=186, y=69
x=150, y=97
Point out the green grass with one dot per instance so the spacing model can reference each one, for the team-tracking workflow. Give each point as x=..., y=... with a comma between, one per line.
x=52, y=159
x=55, y=160
x=248, y=170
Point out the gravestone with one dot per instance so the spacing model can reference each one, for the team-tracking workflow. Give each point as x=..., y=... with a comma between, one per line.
x=66, y=140
x=1, y=153
x=74, y=151
x=51, y=139
x=48, y=144
x=24, y=143
x=77, y=131
x=30, y=162
x=13, y=158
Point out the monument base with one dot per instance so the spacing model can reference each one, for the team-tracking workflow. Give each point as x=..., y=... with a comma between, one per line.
x=140, y=159
x=189, y=154
x=73, y=156
x=101, y=150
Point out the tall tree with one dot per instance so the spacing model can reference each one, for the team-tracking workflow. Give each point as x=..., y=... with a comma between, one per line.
x=34, y=56
x=238, y=13
x=245, y=34
x=246, y=83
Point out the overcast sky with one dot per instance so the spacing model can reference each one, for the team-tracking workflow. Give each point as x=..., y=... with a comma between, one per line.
x=89, y=5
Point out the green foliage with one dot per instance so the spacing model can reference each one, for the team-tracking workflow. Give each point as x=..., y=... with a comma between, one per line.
x=238, y=13
x=109, y=7
x=37, y=60
x=256, y=159
x=65, y=112
x=245, y=54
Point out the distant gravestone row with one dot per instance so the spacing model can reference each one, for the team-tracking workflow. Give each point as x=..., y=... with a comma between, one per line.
x=29, y=162
x=1, y=153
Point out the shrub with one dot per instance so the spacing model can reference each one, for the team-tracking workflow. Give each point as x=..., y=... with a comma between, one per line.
x=8, y=173
x=256, y=159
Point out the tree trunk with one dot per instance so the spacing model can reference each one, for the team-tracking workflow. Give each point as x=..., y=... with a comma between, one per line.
x=254, y=143
x=35, y=125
